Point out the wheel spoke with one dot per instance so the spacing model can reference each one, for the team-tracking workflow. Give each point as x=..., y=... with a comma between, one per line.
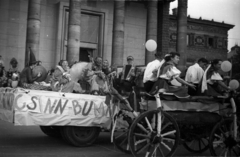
x=123, y=141
x=149, y=125
x=190, y=144
x=166, y=146
x=140, y=141
x=166, y=125
x=120, y=135
x=216, y=135
x=168, y=139
x=199, y=144
x=142, y=128
x=203, y=142
x=217, y=142
x=154, y=150
x=141, y=135
x=223, y=132
x=142, y=148
x=235, y=152
x=168, y=133
x=160, y=150
x=223, y=151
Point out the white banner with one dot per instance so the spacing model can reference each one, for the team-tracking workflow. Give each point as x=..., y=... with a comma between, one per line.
x=33, y=107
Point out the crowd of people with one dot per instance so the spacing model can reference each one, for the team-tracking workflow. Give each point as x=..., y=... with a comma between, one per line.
x=202, y=78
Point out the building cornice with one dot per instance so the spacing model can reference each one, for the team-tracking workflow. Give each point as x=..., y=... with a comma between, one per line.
x=205, y=22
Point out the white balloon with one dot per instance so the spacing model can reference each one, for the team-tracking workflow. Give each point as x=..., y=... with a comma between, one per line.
x=151, y=45
x=226, y=66
x=233, y=84
x=14, y=84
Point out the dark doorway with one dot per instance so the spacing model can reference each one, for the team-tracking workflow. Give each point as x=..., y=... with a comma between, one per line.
x=85, y=53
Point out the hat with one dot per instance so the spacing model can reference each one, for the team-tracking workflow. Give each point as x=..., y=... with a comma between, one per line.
x=130, y=58
x=32, y=59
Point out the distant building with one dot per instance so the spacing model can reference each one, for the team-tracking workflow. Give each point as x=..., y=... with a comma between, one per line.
x=205, y=38
x=234, y=50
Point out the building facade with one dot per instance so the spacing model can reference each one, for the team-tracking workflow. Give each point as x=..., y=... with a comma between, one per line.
x=75, y=29
x=48, y=28
x=205, y=38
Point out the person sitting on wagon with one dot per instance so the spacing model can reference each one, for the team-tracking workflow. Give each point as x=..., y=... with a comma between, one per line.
x=105, y=67
x=13, y=72
x=96, y=77
x=150, y=73
x=61, y=80
x=168, y=72
x=194, y=75
x=26, y=76
x=128, y=75
x=212, y=82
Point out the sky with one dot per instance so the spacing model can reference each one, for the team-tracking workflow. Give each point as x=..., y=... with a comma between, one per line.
x=218, y=10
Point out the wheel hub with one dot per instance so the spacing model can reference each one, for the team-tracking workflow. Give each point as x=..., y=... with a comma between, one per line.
x=154, y=139
x=230, y=142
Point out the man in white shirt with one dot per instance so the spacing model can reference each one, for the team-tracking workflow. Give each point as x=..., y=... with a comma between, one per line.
x=151, y=71
x=195, y=73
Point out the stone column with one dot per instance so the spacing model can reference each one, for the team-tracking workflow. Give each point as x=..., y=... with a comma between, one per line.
x=33, y=29
x=152, y=14
x=182, y=33
x=73, y=45
x=163, y=27
x=118, y=33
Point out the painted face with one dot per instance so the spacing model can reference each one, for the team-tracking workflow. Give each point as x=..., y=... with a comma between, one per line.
x=65, y=65
x=175, y=59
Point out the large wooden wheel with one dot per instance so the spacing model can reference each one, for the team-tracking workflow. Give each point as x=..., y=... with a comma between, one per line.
x=123, y=121
x=144, y=139
x=197, y=145
x=221, y=142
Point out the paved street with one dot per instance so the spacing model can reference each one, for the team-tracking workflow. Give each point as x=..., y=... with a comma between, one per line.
x=25, y=141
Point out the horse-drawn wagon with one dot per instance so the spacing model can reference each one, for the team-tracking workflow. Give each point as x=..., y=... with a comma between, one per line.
x=197, y=123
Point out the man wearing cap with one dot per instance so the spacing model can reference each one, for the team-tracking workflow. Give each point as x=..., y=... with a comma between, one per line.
x=151, y=71
x=128, y=74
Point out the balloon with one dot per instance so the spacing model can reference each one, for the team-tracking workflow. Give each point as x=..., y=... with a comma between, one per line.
x=151, y=45
x=42, y=70
x=226, y=66
x=14, y=84
x=233, y=84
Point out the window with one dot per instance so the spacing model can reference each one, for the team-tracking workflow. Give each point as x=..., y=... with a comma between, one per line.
x=187, y=39
x=91, y=37
x=210, y=42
